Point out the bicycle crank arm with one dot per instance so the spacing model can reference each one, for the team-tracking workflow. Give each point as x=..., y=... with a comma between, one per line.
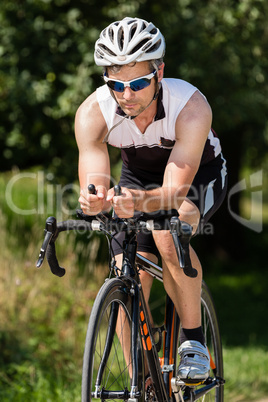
x=195, y=394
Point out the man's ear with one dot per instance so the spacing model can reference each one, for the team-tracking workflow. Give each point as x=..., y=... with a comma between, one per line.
x=160, y=72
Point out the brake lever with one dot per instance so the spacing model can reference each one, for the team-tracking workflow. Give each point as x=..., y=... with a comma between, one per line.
x=50, y=232
x=182, y=245
x=175, y=225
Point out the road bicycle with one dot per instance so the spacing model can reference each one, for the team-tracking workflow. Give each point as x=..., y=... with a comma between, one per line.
x=126, y=358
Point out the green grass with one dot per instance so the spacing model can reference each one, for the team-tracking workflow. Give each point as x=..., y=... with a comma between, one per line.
x=241, y=301
x=30, y=383
x=246, y=371
x=43, y=321
x=43, y=318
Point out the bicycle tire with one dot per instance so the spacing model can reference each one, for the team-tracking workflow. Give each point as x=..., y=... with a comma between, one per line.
x=212, y=336
x=104, y=361
x=211, y=332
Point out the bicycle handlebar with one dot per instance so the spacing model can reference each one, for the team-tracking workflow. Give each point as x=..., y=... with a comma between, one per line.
x=181, y=233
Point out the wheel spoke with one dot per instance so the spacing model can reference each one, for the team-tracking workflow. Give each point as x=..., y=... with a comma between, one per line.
x=108, y=345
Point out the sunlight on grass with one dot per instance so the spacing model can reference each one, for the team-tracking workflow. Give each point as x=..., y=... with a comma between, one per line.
x=245, y=373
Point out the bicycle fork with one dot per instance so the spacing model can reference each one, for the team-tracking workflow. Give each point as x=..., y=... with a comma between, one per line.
x=136, y=354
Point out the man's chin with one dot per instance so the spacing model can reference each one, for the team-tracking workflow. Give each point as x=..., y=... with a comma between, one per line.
x=130, y=112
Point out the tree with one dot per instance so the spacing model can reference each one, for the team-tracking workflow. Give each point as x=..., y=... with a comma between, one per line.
x=47, y=70
x=220, y=46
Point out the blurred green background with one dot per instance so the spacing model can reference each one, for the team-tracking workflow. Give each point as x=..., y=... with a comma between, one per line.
x=46, y=70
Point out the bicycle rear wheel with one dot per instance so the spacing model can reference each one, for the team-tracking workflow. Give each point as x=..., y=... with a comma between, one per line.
x=213, y=341
x=107, y=365
x=211, y=390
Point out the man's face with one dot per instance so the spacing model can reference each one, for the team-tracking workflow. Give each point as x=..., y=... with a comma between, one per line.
x=131, y=102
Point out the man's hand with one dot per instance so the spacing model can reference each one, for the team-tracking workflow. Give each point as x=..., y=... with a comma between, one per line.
x=92, y=204
x=123, y=204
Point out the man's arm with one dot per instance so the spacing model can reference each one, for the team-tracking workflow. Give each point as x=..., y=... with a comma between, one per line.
x=192, y=129
x=94, y=163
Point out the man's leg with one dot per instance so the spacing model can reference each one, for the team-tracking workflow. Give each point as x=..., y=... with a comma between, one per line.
x=185, y=293
x=124, y=335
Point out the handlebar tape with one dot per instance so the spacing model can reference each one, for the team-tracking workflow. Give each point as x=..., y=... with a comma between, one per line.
x=53, y=262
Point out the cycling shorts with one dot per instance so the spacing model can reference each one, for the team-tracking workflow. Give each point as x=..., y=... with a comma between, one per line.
x=207, y=192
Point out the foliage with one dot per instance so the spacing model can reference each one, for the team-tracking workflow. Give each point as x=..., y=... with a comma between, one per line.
x=220, y=46
x=47, y=69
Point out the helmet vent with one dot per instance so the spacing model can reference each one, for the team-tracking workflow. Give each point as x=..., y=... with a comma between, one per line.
x=153, y=31
x=121, y=38
x=139, y=46
x=105, y=49
x=111, y=34
x=154, y=47
x=143, y=27
x=130, y=21
x=133, y=30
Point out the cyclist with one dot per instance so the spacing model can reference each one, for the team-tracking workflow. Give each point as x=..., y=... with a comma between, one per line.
x=171, y=159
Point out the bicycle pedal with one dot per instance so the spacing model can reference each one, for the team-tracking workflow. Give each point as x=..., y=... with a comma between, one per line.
x=193, y=383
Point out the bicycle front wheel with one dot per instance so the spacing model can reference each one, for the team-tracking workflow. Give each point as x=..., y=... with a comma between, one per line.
x=107, y=365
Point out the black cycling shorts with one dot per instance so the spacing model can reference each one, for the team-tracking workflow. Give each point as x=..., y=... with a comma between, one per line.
x=207, y=192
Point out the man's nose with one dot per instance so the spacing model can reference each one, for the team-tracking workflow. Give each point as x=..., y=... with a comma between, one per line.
x=128, y=93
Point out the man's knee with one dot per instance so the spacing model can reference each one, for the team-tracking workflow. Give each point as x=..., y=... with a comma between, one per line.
x=189, y=213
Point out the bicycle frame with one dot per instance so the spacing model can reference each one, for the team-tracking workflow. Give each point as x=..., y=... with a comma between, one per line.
x=161, y=382
x=166, y=386
x=172, y=323
x=140, y=310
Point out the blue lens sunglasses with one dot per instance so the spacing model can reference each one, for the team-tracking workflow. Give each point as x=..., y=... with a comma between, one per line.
x=135, y=85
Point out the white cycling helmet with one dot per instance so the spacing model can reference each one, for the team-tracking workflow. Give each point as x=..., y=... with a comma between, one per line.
x=129, y=40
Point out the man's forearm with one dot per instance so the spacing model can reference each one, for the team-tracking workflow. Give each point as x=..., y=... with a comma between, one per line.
x=158, y=198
